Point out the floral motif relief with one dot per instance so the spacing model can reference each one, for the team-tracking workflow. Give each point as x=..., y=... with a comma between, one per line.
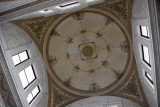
x=54, y=33
x=124, y=46
x=83, y=31
x=52, y=60
x=99, y=34
x=109, y=20
x=69, y=40
x=119, y=7
x=76, y=68
x=37, y=27
x=78, y=16
x=131, y=88
x=108, y=48
x=68, y=82
x=94, y=86
x=105, y=63
x=59, y=98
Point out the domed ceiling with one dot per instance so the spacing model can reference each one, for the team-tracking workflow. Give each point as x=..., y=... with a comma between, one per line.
x=88, y=53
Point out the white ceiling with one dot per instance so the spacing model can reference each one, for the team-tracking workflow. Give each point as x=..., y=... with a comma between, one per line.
x=34, y=11
x=4, y=6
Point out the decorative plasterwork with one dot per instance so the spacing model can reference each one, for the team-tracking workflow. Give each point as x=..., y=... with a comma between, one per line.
x=131, y=88
x=37, y=27
x=120, y=7
x=85, y=46
x=58, y=97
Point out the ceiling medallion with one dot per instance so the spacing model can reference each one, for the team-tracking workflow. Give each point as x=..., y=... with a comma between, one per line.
x=87, y=51
x=89, y=57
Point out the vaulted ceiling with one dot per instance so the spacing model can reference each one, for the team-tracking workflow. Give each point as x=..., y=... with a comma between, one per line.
x=88, y=52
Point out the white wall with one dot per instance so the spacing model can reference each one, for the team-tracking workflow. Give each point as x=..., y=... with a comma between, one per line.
x=104, y=101
x=14, y=36
x=14, y=40
x=140, y=16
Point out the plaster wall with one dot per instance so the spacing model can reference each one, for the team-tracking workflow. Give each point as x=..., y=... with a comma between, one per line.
x=14, y=36
x=104, y=101
x=140, y=16
x=44, y=101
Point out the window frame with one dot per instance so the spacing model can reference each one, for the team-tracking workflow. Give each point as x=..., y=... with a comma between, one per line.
x=140, y=28
x=19, y=57
x=68, y=4
x=27, y=78
x=39, y=90
x=143, y=56
x=148, y=78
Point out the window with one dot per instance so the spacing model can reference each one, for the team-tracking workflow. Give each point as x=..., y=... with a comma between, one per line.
x=144, y=31
x=20, y=57
x=145, y=54
x=27, y=76
x=33, y=94
x=68, y=4
x=148, y=77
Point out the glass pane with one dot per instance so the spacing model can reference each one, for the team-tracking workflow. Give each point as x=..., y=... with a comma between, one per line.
x=16, y=59
x=29, y=73
x=23, y=79
x=35, y=91
x=149, y=76
x=29, y=98
x=144, y=31
x=146, y=56
x=23, y=56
